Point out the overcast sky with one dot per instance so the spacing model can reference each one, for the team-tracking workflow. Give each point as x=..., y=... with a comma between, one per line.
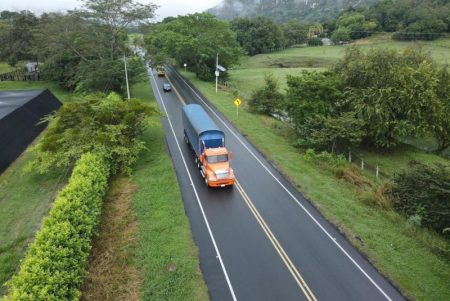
x=166, y=7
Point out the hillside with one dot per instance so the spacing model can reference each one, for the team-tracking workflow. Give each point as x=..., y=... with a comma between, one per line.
x=285, y=10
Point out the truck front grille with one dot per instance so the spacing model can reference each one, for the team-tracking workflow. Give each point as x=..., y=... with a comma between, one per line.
x=221, y=175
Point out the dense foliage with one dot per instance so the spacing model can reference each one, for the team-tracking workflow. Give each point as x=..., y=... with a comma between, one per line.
x=376, y=97
x=54, y=266
x=94, y=124
x=258, y=35
x=422, y=194
x=268, y=99
x=16, y=36
x=352, y=25
x=194, y=40
x=81, y=49
x=412, y=19
x=295, y=32
x=397, y=94
x=322, y=117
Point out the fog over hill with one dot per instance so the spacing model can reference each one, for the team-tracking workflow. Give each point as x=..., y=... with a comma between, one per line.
x=285, y=10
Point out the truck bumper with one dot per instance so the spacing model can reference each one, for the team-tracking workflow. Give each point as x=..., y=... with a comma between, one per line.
x=221, y=183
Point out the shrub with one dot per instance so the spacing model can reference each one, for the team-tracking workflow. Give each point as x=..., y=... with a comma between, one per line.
x=54, y=266
x=422, y=193
x=315, y=42
x=268, y=99
x=96, y=123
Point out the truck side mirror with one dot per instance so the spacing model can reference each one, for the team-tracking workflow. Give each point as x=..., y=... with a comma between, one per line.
x=230, y=155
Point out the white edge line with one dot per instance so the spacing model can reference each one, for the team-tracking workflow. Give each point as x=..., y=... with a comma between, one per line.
x=196, y=195
x=290, y=194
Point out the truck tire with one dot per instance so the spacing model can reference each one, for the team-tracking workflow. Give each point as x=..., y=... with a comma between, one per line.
x=186, y=139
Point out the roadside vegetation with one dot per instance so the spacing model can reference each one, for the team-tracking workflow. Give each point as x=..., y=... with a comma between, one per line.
x=5, y=67
x=144, y=250
x=249, y=75
x=25, y=193
x=54, y=264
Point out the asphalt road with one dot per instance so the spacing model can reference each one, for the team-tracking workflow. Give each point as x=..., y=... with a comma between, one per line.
x=260, y=240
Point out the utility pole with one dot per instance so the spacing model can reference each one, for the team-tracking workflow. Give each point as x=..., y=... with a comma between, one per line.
x=126, y=75
x=217, y=71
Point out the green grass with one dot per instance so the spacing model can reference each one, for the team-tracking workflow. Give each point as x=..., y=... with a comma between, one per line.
x=61, y=94
x=165, y=239
x=5, y=67
x=415, y=259
x=25, y=197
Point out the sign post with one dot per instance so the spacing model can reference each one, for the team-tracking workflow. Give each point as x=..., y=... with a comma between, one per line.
x=237, y=103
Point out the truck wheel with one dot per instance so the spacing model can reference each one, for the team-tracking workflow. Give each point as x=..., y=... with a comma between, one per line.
x=186, y=139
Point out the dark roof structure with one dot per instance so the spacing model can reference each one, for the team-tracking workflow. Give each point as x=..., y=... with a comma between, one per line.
x=20, y=114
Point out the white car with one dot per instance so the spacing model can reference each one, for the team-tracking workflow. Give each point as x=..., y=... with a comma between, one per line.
x=167, y=87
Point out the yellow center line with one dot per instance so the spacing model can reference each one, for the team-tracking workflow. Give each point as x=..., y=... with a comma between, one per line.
x=287, y=261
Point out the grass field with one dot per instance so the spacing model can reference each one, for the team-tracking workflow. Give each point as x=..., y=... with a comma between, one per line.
x=61, y=94
x=25, y=197
x=249, y=75
x=5, y=67
x=145, y=249
x=415, y=259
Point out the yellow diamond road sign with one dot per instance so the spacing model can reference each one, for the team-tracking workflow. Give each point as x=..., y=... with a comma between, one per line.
x=237, y=102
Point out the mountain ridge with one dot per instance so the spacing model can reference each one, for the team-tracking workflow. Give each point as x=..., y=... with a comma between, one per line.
x=285, y=10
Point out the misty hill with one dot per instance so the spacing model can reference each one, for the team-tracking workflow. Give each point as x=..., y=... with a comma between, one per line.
x=285, y=10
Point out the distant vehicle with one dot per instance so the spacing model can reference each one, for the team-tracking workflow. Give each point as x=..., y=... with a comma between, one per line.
x=161, y=71
x=167, y=87
x=208, y=143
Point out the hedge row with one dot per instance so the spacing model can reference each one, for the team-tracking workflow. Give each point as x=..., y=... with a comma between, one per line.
x=54, y=266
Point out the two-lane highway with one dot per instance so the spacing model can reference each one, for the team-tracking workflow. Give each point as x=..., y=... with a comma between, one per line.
x=260, y=240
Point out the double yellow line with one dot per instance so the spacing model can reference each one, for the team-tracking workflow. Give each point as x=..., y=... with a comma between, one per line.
x=287, y=261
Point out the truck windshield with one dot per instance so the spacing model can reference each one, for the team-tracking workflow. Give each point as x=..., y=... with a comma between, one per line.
x=217, y=159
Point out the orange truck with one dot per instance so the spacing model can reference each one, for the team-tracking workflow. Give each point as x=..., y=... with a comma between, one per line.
x=208, y=143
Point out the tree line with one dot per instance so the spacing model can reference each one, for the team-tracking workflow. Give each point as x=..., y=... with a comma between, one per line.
x=82, y=49
x=407, y=19
x=373, y=98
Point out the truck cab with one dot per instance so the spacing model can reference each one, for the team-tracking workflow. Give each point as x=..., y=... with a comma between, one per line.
x=215, y=167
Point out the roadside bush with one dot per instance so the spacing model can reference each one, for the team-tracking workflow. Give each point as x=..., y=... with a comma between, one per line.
x=96, y=123
x=315, y=42
x=268, y=99
x=422, y=194
x=54, y=266
x=331, y=161
x=378, y=195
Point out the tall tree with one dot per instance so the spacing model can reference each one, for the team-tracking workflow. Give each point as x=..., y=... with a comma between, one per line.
x=195, y=40
x=84, y=49
x=113, y=16
x=258, y=35
x=396, y=94
x=17, y=36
